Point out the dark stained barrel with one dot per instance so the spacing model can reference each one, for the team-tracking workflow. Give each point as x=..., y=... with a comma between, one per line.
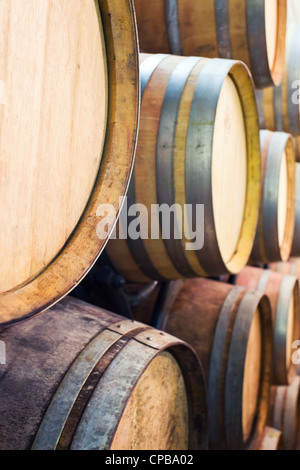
x=81, y=378
x=285, y=412
x=279, y=106
x=283, y=292
x=231, y=330
x=253, y=32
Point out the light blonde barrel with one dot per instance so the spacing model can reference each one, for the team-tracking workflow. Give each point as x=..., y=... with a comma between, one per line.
x=198, y=146
x=272, y=440
x=275, y=230
x=69, y=85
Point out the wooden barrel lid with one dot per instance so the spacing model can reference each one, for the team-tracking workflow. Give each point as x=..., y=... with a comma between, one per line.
x=291, y=332
x=283, y=293
x=230, y=328
x=282, y=199
x=286, y=198
x=49, y=160
x=296, y=241
x=292, y=322
x=229, y=169
x=252, y=376
x=160, y=392
x=271, y=21
x=272, y=440
x=58, y=163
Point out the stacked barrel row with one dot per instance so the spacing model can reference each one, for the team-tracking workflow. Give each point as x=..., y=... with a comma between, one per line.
x=73, y=376
x=279, y=106
x=243, y=334
x=203, y=364
x=201, y=141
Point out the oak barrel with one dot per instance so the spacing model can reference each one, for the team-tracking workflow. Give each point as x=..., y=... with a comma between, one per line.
x=296, y=240
x=253, y=32
x=291, y=267
x=297, y=148
x=81, y=378
x=198, y=145
x=279, y=106
x=285, y=412
x=69, y=94
x=230, y=329
x=275, y=230
x=283, y=293
x=272, y=440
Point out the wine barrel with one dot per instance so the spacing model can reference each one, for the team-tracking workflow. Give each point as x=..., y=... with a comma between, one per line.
x=70, y=85
x=81, y=378
x=295, y=252
x=231, y=330
x=285, y=412
x=279, y=106
x=253, y=32
x=275, y=230
x=198, y=147
x=297, y=148
x=283, y=292
x=291, y=267
x=272, y=440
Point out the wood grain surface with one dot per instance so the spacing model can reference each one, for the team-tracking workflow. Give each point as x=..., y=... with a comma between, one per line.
x=96, y=381
x=279, y=108
x=252, y=32
x=70, y=88
x=197, y=124
x=285, y=412
x=275, y=230
x=49, y=160
x=283, y=293
x=230, y=329
x=272, y=440
x=156, y=416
